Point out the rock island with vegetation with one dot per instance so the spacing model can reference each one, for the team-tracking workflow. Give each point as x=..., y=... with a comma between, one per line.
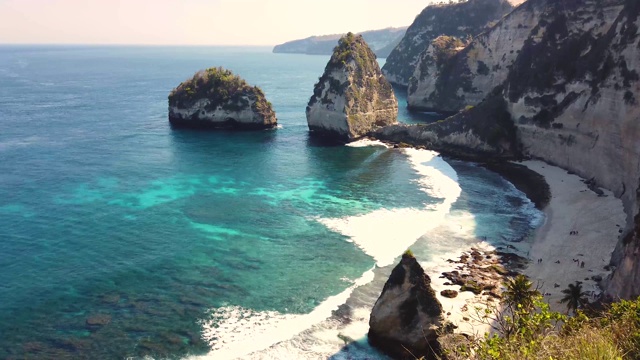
x=352, y=97
x=217, y=98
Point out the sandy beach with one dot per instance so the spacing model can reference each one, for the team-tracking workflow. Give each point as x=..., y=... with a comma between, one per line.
x=572, y=208
x=579, y=227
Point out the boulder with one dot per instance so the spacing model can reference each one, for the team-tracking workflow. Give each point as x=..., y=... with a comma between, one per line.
x=405, y=320
x=217, y=98
x=449, y=293
x=352, y=98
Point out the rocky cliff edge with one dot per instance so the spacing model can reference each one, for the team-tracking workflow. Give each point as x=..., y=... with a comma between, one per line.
x=567, y=74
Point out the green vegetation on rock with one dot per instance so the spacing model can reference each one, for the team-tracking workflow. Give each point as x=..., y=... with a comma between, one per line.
x=221, y=87
x=539, y=333
x=353, y=88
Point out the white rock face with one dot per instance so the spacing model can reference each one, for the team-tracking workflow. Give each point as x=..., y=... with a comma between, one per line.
x=461, y=20
x=481, y=66
x=331, y=114
x=352, y=97
x=217, y=98
x=569, y=74
x=200, y=114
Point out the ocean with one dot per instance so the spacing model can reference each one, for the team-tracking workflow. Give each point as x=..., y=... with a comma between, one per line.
x=122, y=238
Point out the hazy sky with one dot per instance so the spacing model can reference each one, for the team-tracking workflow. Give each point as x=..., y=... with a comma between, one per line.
x=217, y=22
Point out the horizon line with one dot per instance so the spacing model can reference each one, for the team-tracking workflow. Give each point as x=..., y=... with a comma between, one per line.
x=132, y=44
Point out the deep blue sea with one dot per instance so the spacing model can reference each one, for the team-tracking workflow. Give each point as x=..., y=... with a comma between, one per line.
x=120, y=237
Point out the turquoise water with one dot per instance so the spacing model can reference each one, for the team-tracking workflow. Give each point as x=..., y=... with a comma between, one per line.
x=119, y=236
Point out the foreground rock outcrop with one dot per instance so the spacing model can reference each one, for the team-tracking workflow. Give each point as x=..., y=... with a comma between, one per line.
x=217, y=98
x=352, y=98
x=405, y=319
x=562, y=85
x=459, y=20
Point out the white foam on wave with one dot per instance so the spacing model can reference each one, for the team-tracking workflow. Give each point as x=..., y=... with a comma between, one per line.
x=366, y=143
x=234, y=332
x=384, y=234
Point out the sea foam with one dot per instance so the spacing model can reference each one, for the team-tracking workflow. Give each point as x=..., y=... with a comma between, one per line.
x=234, y=332
x=385, y=233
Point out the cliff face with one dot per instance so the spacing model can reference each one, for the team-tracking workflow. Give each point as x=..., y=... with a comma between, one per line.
x=405, y=319
x=532, y=28
x=461, y=20
x=352, y=98
x=216, y=98
x=485, y=131
x=381, y=43
x=568, y=75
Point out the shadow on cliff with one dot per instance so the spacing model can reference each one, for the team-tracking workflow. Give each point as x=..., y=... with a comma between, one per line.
x=407, y=116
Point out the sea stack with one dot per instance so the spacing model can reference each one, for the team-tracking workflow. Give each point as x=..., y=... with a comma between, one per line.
x=352, y=98
x=217, y=98
x=405, y=319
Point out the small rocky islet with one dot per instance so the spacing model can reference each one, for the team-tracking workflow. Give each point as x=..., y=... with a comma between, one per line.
x=217, y=98
x=352, y=97
x=407, y=318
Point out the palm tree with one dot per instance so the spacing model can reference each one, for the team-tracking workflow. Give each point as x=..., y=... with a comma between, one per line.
x=519, y=292
x=574, y=296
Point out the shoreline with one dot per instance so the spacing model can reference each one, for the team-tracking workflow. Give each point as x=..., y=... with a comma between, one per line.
x=567, y=256
x=568, y=205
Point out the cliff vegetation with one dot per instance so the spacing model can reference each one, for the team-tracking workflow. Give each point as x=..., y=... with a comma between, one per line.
x=531, y=331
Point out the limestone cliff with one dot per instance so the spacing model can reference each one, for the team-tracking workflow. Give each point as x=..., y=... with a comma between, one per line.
x=352, y=98
x=216, y=98
x=567, y=73
x=405, y=319
x=476, y=70
x=485, y=131
x=461, y=20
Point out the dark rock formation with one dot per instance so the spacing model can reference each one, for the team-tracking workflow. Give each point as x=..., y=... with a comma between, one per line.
x=449, y=293
x=407, y=315
x=352, y=98
x=460, y=20
x=485, y=131
x=566, y=75
x=216, y=98
x=382, y=42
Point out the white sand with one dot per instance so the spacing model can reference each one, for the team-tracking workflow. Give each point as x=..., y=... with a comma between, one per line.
x=573, y=207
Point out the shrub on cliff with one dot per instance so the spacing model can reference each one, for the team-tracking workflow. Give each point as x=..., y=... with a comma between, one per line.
x=611, y=333
x=445, y=47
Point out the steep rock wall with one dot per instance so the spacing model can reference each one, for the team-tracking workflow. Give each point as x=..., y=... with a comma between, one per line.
x=570, y=82
x=487, y=61
x=461, y=20
x=407, y=317
x=352, y=98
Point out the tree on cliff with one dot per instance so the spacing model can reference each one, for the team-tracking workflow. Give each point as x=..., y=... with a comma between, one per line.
x=574, y=296
x=519, y=293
